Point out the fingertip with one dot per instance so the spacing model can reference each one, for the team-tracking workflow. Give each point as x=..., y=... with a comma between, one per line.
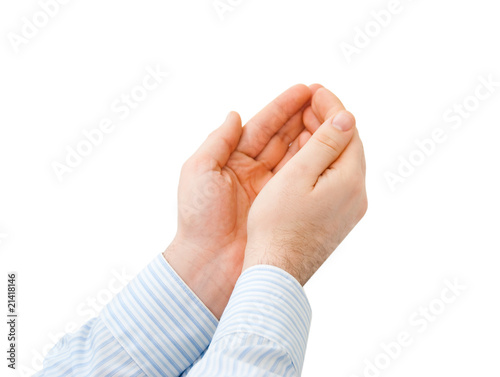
x=344, y=121
x=301, y=86
x=315, y=87
x=325, y=104
x=234, y=118
x=231, y=115
x=303, y=91
x=322, y=91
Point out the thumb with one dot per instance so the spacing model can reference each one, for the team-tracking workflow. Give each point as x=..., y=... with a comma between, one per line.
x=325, y=146
x=222, y=142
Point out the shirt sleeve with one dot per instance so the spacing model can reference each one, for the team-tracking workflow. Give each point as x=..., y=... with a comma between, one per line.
x=263, y=331
x=155, y=327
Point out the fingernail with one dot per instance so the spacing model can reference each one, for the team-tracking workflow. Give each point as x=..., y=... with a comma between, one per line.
x=343, y=121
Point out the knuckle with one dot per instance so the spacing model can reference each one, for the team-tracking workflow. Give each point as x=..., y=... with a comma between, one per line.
x=359, y=195
x=283, y=137
x=355, y=180
x=363, y=205
x=299, y=169
x=357, y=186
x=358, y=182
x=328, y=143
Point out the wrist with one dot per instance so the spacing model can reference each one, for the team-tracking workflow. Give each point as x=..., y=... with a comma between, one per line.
x=201, y=274
x=277, y=258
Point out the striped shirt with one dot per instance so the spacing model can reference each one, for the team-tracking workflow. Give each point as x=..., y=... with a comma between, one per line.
x=156, y=326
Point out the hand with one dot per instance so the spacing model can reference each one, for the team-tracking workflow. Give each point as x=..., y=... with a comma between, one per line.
x=218, y=185
x=307, y=209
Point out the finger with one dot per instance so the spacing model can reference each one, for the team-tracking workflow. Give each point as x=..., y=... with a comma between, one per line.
x=222, y=142
x=275, y=151
x=262, y=127
x=325, y=104
x=311, y=121
x=352, y=160
x=315, y=87
x=304, y=138
x=296, y=145
x=325, y=146
x=277, y=147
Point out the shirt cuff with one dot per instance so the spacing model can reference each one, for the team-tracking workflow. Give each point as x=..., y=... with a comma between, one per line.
x=270, y=303
x=159, y=321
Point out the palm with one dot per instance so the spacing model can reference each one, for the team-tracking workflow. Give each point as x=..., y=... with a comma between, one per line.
x=242, y=177
x=214, y=208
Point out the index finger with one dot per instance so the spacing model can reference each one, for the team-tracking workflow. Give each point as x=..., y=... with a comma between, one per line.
x=262, y=127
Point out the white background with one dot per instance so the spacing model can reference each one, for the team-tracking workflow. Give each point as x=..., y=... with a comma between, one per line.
x=117, y=210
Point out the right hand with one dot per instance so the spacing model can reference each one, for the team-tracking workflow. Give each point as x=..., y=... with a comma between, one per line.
x=307, y=209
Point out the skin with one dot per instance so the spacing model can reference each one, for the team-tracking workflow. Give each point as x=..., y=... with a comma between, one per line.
x=218, y=185
x=221, y=181
x=313, y=202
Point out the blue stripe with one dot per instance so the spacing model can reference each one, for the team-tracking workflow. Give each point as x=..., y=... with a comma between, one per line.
x=272, y=346
x=157, y=327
